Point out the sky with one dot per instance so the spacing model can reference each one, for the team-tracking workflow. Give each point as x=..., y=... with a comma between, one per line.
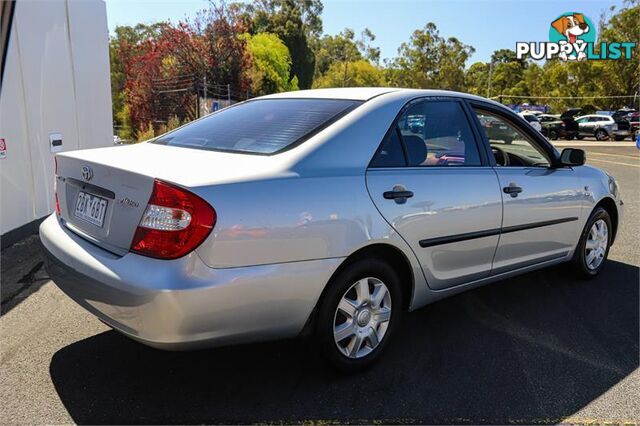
x=487, y=25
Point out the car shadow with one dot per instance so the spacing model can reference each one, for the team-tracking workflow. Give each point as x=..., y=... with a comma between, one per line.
x=532, y=349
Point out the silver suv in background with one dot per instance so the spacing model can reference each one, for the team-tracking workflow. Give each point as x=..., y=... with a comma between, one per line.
x=602, y=127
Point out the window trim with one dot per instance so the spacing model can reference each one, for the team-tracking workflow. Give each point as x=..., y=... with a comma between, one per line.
x=525, y=128
x=468, y=114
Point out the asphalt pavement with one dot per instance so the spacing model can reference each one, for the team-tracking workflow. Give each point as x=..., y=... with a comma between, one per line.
x=537, y=349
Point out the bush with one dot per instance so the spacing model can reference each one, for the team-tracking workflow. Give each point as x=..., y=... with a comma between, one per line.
x=146, y=133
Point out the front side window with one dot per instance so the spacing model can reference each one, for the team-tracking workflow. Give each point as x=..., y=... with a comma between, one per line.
x=511, y=146
x=431, y=133
x=263, y=126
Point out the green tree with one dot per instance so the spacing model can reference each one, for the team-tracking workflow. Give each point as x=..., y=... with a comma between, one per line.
x=296, y=22
x=622, y=77
x=477, y=78
x=271, y=64
x=360, y=73
x=430, y=61
x=344, y=47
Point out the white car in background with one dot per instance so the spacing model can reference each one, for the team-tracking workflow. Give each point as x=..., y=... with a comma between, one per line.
x=532, y=119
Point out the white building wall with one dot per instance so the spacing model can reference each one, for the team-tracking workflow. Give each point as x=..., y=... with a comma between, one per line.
x=56, y=81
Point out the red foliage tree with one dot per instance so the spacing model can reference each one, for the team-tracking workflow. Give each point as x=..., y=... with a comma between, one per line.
x=171, y=66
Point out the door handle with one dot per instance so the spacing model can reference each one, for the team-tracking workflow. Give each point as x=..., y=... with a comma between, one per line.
x=399, y=194
x=392, y=195
x=512, y=190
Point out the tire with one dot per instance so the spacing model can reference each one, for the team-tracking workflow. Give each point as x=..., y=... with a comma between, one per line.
x=553, y=135
x=569, y=137
x=582, y=265
x=634, y=136
x=507, y=141
x=601, y=135
x=359, y=325
x=579, y=137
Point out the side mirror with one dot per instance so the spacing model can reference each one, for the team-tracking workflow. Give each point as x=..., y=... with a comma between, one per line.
x=572, y=157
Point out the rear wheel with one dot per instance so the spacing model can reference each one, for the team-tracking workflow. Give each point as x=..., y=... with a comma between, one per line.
x=593, y=247
x=553, y=134
x=601, y=135
x=358, y=314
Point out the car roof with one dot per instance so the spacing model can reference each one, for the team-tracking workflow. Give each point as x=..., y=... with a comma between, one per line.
x=366, y=93
x=352, y=93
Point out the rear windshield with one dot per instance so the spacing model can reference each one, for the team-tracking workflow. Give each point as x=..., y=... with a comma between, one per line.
x=263, y=126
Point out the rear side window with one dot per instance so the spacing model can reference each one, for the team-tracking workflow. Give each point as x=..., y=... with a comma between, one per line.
x=429, y=133
x=264, y=126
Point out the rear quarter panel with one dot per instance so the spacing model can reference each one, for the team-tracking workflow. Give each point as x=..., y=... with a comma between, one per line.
x=288, y=220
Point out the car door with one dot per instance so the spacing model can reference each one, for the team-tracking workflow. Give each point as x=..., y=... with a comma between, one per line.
x=583, y=126
x=435, y=188
x=541, y=202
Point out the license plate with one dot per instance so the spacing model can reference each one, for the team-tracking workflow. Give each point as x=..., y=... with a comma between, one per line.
x=90, y=208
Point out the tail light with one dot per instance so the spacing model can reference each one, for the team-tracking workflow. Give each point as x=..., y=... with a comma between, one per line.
x=174, y=223
x=55, y=184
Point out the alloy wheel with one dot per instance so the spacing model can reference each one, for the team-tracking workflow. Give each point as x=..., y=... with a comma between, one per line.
x=601, y=135
x=362, y=317
x=596, y=246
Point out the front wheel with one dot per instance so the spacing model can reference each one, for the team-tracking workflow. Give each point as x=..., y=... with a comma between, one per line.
x=358, y=314
x=553, y=135
x=593, y=247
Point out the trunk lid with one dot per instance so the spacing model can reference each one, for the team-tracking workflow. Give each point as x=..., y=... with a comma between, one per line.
x=104, y=192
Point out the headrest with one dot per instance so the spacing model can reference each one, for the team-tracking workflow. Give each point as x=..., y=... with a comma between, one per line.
x=416, y=149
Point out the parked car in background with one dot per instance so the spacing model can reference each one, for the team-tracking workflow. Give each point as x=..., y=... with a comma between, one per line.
x=602, y=127
x=622, y=118
x=532, y=119
x=634, y=125
x=324, y=212
x=498, y=129
x=557, y=126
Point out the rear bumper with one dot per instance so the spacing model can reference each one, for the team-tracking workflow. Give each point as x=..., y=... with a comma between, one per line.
x=182, y=303
x=625, y=132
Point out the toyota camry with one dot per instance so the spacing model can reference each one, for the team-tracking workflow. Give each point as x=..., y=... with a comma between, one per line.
x=327, y=213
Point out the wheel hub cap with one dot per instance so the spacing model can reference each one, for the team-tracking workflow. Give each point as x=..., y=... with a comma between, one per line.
x=362, y=317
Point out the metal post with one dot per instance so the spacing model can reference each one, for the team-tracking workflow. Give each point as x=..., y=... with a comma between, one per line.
x=229, y=94
x=205, y=92
x=490, y=79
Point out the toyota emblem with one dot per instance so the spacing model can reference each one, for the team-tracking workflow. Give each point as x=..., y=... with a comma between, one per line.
x=87, y=173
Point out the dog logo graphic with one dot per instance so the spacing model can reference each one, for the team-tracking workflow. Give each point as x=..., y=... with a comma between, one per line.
x=571, y=31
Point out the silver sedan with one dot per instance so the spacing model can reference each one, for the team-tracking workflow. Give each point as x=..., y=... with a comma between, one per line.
x=328, y=213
